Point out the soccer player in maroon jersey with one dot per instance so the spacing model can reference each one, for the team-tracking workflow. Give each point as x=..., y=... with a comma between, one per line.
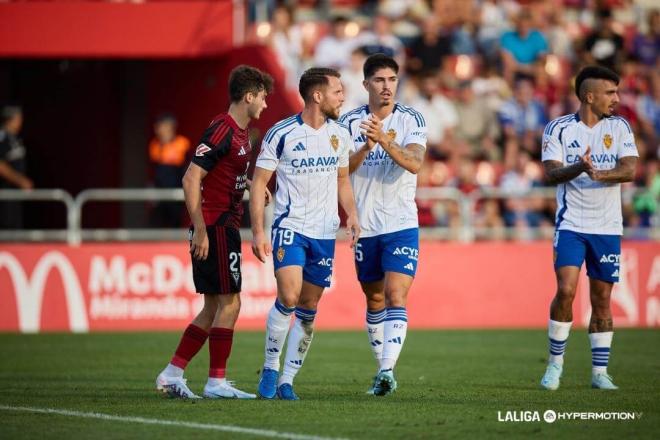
x=213, y=187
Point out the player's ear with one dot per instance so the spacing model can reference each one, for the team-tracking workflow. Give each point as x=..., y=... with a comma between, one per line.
x=589, y=95
x=249, y=97
x=317, y=96
x=365, y=84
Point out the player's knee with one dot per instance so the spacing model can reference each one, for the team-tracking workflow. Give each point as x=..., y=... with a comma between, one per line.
x=565, y=292
x=396, y=297
x=308, y=303
x=288, y=299
x=210, y=306
x=375, y=298
x=600, y=303
x=233, y=307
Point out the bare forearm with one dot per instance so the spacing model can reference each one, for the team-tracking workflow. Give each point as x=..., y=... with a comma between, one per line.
x=345, y=195
x=408, y=159
x=193, y=196
x=356, y=159
x=11, y=175
x=257, y=202
x=619, y=174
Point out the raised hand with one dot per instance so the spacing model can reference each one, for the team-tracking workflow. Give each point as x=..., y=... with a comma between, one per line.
x=373, y=129
x=587, y=163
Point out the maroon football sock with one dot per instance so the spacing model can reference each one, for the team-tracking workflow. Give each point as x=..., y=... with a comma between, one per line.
x=220, y=340
x=192, y=340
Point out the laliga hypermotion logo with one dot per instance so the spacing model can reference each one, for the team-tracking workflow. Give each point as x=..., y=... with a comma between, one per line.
x=29, y=292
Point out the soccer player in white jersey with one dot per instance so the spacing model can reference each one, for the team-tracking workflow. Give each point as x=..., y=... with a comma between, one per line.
x=309, y=151
x=588, y=155
x=389, y=141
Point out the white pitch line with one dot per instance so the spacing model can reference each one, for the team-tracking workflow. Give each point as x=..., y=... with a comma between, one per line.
x=207, y=426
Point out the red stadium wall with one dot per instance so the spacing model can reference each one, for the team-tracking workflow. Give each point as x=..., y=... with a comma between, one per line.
x=126, y=30
x=149, y=287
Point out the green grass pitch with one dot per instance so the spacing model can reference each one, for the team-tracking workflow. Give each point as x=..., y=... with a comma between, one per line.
x=451, y=385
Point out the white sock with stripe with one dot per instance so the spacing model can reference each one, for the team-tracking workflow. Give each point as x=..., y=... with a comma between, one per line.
x=277, y=327
x=376, y=332
x=394, y=334
x=600, y=351
x=558, y=335
x=300, y=338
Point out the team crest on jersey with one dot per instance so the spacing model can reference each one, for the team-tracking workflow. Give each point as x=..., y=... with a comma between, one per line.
x=607, y=141
x=334, y=141
x=391, y=133
x=280, y=254
x=201, y=149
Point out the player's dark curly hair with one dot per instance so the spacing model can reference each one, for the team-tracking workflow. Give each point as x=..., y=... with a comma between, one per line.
x=593, y=72
x=378, y=61
x=314, y=78
x=246, y=79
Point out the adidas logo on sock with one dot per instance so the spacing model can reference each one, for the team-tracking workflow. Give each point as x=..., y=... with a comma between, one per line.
x=272, y=350
x=298, y=362
x=409, y=266
x=376, y=343
x=396, y=340
x=299, y=147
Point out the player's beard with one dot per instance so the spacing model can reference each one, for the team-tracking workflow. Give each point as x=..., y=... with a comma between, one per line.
x=331, y=112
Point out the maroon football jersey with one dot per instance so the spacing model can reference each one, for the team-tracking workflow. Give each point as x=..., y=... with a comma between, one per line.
x=224, y=152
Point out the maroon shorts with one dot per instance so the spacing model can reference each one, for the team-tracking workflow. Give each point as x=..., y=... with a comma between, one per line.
x=220, y=273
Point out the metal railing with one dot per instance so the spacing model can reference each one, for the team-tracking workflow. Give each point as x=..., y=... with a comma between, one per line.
x=40, y=195
x=122, y=234
x=74, y=234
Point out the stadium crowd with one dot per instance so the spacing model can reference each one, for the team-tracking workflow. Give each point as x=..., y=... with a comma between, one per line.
x=488, y=75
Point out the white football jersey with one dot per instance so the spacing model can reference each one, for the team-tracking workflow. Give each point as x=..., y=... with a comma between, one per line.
x=384, y=191
x=582, y=204
x=306, y=162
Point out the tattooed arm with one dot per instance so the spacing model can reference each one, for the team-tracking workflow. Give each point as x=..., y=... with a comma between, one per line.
x=409, y=157
x=624, y=171
x=556, y=172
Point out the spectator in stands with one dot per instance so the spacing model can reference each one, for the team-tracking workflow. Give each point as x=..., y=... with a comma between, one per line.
x=522, y=213
x=168, y=153
x=382, y=40
x=492, y=23
x=603, y=45
x=429, y=50
x=477, y=124
x=441, y=118
x=489, y=218
x=646, y=47
x=334, y=50
x=523, y=49
x=645, y=202
x=12, y=165
x=286, y=41
x=648, y=112
x=490, y=86
x=560, y=42
x=523, y=120
x=352, y=78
